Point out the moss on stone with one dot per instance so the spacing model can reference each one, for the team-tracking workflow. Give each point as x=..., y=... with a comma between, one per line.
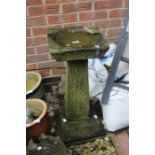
x=80, y=130
x=76, y=91
x=77, y=114
x=75, y=44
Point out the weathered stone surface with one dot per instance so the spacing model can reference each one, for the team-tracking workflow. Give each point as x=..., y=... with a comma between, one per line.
x=47, y=145
x=76, y=91
x=76, y=43
x=80, y=130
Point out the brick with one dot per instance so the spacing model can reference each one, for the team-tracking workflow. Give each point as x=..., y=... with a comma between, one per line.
x=113, y=32
x=35, y=21
x=109, y=23
x=65, y=18
x=28, y=42
x=58, y=1
x=100, y=14
x=31, y=67
x=112, y=39
x=65, y=1
x=28, y=32
x=27, y=12
x=126, y=3
x=84, y=16
x=39, y=31
x=108, y=4
x=57, y=19
x=35, y=10
x=37, y=58
x=36, y=41
x=117, y=13
x=28, y=61
x=45, y=73
x=85, y=6
x=102, y=24
x=73, y=7
x=33, y=2
x=58, y=71
x=102, y=32
x=115, y=23
x=70, y=7
x=51, y=1
x=70, y=18
x=42, y=49
x=99, y=4
x=84, y=23
x=30, y=50
x=52, y=9
x=40, y=10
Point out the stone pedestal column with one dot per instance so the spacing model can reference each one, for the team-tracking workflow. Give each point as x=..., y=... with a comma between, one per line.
x=76, y=91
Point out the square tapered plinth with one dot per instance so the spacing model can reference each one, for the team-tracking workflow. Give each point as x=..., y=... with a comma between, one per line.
x=78, y=43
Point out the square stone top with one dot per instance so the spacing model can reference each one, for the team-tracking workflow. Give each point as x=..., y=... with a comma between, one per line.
x=76, y=43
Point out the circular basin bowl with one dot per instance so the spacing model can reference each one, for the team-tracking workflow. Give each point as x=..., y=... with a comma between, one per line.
x=39, y=125
x=34, y=88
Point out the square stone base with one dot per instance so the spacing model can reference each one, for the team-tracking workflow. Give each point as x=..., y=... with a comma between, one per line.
x=76, y=131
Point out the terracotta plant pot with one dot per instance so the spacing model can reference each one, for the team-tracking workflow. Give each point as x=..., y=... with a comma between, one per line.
x=34, y=87
x=42, y=123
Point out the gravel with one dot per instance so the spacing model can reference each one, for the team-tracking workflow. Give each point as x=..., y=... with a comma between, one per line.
x=98, y=147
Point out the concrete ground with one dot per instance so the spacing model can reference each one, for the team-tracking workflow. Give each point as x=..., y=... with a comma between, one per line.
x=120, y=140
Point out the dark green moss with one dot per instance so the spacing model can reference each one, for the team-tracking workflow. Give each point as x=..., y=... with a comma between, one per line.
x=80, y=130
x=76, y=90
x=76, y=39
x=83, y=55
x=76, y=43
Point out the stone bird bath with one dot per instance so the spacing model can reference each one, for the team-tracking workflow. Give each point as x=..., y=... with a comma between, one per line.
x=75, y=46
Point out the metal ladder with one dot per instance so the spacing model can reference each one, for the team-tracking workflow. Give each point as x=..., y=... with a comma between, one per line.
x=118, y=56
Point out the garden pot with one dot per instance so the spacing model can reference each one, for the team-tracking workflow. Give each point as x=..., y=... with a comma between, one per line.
x=41, y=124
x=34, y=87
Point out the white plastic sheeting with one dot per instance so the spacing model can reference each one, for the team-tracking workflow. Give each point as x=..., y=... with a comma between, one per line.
x=116, y=111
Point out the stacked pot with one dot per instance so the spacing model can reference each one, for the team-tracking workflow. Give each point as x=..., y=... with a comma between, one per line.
x=37, y=119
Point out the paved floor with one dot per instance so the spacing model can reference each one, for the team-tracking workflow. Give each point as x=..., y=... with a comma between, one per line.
x=120, y=140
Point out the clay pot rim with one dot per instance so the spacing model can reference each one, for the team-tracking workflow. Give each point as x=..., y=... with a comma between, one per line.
x=42, y=114
x=37, y=84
